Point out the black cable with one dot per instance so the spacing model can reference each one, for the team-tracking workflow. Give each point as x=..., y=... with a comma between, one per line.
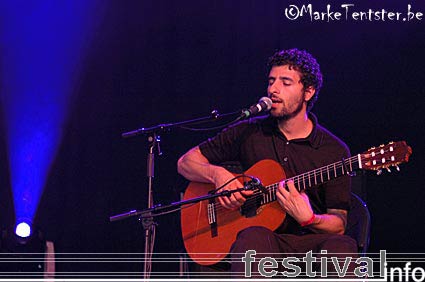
x=214, y=127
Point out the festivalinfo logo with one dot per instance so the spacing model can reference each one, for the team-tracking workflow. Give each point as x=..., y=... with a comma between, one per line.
x=370, y=268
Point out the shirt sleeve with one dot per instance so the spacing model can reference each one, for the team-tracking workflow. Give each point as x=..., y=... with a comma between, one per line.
x=225, y=146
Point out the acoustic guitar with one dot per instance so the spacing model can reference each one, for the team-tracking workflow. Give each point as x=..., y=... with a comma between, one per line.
x=209, y=229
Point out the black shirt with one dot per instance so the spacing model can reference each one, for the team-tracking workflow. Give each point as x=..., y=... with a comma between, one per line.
x=250, y=141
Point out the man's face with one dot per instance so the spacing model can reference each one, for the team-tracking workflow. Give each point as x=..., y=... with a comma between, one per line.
x=287, y=92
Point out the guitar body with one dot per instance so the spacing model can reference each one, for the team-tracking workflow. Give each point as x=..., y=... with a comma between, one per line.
x=206, y=248
x=209, y=243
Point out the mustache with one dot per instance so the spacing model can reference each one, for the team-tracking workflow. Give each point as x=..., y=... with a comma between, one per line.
x=275, y=99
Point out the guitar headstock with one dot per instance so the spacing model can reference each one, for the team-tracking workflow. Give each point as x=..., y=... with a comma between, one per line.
x=386, y=156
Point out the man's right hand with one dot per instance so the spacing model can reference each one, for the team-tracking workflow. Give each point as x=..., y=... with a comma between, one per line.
x=195, y=167
x=235, y=200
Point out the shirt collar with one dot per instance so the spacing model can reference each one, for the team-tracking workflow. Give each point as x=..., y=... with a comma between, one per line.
x=314, y=138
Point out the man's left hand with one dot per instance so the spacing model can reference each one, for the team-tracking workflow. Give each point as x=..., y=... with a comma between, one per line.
x=293, y=202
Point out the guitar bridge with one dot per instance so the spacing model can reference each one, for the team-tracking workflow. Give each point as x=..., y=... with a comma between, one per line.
x=212, y=218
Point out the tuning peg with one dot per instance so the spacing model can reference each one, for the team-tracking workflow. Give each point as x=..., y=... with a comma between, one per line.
x=388, y=169
x=397, y=168
x=379, y=172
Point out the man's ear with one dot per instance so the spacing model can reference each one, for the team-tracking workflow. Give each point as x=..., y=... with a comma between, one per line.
x=309, y=93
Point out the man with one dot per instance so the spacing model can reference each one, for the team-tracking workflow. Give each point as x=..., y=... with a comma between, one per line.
x=292, y=136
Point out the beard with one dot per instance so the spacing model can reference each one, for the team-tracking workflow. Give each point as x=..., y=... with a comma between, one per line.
x=286, y=113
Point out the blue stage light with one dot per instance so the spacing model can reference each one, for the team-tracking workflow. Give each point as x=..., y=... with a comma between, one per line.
x=43, y=44
x=23, y=230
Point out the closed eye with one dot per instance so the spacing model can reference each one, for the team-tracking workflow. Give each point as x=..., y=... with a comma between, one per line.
x=286, y=81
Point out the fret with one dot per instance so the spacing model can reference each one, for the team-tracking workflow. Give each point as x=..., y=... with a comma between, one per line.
x=321, y=176
x=309, y=180
x=315, y=179
x=327, y=168
x=267, y=197
x=351, y=166
x=335, y=169
x=271, y=195
x=342, y=168
x=360, y=161
x=299, y=183
x=303, y=180
x=271, y=191
x=296, y=181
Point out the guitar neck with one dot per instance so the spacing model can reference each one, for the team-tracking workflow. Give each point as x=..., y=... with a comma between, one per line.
x=317, y=176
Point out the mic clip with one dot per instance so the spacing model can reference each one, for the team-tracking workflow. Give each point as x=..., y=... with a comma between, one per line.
x=254, y=184
x=245, y=113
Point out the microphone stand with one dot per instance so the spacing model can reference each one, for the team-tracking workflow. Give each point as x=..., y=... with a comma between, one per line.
x=150, y=212
x=146, y=216
x=148, y=223
x=154, y=140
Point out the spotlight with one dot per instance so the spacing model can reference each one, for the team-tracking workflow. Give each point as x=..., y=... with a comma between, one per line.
x=24, y=252
x=23, y=230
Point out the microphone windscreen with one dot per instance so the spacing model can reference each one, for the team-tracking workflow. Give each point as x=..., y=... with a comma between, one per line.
x=268, y=102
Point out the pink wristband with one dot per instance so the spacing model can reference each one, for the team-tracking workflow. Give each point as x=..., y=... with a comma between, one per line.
x=308, y=222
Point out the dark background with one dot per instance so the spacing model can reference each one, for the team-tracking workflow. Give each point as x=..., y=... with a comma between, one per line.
x=152, y=62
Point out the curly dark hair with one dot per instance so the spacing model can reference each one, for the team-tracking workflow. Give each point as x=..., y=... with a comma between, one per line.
x=303, y=62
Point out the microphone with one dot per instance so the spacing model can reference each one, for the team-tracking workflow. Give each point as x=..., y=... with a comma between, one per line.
x=255, y=183
x=263, y=105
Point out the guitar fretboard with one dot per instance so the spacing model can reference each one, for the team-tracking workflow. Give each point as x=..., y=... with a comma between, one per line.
x=316, y=177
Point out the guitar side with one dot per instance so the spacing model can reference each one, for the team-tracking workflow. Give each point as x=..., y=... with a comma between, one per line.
x=204, y=247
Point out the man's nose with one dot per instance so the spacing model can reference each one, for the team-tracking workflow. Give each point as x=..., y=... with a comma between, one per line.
x=273, y=89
